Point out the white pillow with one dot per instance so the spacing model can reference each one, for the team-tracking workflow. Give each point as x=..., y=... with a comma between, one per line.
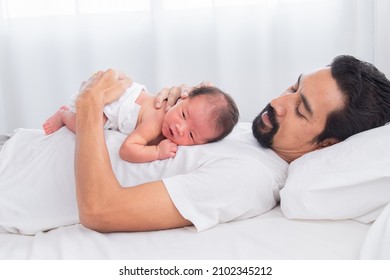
x=349, y=180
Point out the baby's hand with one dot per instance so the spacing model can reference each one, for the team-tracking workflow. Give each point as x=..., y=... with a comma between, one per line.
x=166, y=149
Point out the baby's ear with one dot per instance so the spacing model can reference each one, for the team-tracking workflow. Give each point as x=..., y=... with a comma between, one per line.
x=327, y=142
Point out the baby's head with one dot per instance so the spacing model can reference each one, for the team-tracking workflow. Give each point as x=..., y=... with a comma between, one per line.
x=207, y=115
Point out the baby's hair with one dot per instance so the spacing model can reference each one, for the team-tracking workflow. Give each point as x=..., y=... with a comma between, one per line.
x=224, y=111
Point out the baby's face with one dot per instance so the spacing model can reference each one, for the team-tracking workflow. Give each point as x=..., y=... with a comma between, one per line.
x=189, y=122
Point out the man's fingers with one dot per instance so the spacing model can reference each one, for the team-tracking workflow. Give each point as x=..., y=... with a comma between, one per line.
x=205, y=84
x=173, y=95
x=117, y=89
x=185, y=90
x=160, y=97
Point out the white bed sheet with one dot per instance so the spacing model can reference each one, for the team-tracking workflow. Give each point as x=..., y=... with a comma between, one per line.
x=377, y=242
x=268, y=236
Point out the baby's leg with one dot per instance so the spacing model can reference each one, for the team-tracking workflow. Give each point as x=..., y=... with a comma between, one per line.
x=60, y=118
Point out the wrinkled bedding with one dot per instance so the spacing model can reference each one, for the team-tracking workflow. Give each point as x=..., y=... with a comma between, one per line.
x=267, y=236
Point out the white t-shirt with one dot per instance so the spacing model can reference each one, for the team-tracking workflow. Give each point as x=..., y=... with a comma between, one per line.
x=209, y=184
x=233, y=179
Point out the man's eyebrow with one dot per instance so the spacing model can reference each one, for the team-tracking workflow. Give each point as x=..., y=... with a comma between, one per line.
x=299, y=79
x=305, y=102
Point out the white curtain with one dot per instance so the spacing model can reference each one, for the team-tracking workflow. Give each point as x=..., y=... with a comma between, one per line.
x=252, y=49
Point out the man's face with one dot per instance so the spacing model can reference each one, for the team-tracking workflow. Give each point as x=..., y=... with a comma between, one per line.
x=290, y=122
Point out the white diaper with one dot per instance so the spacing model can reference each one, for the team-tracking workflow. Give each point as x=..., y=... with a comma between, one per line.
x=121, y=114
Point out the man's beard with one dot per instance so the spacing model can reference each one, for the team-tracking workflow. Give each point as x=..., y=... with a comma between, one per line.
x=263, y=134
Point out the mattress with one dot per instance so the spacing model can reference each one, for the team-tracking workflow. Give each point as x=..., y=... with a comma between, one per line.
x=268, y=236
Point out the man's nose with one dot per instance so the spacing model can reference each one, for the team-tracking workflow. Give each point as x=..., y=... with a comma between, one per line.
x=280, y=105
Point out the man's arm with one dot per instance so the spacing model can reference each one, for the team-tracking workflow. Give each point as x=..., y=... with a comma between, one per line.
x=104, y=205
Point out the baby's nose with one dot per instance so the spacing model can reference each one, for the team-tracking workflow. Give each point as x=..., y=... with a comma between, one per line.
x=180, y=129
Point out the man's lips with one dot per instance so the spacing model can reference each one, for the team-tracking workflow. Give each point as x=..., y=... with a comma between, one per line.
x=266, y=120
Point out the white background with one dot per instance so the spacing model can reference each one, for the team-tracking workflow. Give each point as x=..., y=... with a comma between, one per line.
x=252, y=49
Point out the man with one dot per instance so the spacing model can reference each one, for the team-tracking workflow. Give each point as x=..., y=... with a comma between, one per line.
x=310, y=115
x=325, y=107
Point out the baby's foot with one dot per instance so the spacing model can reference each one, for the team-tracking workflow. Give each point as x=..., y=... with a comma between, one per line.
x=55, y=122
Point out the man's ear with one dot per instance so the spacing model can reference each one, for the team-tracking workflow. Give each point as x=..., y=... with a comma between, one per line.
x=327, y=142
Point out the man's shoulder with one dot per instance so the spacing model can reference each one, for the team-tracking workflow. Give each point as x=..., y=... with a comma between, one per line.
x=241, y=146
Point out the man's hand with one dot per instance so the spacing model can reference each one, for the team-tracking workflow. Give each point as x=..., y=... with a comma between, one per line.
x=171, y=95
x=104, y=87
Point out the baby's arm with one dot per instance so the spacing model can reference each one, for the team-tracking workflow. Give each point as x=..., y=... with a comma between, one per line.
x=135, y=148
